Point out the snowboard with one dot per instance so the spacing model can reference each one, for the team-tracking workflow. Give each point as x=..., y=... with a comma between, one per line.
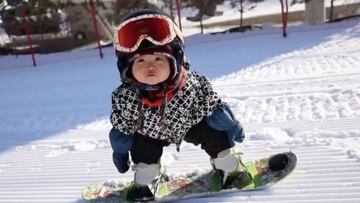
x=265, y=172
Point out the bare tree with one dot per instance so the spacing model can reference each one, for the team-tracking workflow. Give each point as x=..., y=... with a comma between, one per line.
x=205, y=8
x=241, y=5
x=122, y=8
x=331, y=15
x=293, y=2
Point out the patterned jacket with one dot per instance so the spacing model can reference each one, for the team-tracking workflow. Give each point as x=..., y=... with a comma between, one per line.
x=187, y=108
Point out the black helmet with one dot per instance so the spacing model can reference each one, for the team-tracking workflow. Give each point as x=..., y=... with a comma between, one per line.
x=174, y=43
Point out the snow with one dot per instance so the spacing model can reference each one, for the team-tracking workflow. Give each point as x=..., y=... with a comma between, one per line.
x=300, y=93
x=267, y=7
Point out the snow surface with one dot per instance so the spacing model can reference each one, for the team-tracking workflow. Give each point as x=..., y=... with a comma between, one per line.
x=267, y=7
x=300, y=93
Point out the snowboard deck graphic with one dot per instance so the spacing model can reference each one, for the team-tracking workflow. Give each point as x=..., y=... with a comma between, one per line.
x=265, y=172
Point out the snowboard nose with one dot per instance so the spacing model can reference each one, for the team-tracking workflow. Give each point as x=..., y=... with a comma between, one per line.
x=282, y=161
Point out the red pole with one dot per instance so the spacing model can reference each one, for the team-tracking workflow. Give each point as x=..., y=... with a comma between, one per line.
x=284, y=17
x=26, y=25
x=178, y=8
x=92, y=9
x=287, y=12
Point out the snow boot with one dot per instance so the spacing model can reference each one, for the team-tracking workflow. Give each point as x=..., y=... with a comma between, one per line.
x=229, y=171
x=149, y=182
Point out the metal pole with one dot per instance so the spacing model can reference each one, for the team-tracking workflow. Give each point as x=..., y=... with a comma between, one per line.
x=92, y=9
x=171, y=9
x=27, y=30
x=178, y=8
x=286, y=17
x=283, y=17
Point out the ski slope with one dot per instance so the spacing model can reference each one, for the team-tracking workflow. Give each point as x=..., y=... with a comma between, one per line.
x=300, y=93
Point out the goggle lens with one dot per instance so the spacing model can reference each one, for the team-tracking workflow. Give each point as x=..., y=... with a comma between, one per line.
x=133, y=32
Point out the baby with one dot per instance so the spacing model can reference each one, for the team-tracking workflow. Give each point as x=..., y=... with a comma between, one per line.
x=161, y=102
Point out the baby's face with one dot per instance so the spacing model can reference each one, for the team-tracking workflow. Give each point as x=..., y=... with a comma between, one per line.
x=151, y=69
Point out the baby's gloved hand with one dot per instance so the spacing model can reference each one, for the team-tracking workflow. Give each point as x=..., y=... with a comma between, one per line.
x=121, y=162
x=121, y=144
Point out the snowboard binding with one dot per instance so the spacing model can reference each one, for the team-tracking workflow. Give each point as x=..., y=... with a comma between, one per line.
x=229, y=171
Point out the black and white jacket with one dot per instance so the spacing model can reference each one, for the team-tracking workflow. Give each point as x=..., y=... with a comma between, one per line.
x=187, y=108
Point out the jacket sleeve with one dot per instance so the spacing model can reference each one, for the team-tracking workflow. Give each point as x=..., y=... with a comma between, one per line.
x=122, y=115
x=223, y=119
x=120, y=135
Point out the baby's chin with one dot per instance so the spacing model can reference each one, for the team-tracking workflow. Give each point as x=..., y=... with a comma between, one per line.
x=153, y=81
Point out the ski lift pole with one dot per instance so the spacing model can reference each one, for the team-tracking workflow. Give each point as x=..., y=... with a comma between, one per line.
x=286, y=12
x=178, y=8
x=92, y=9
x=26, y=25
x=284, y=16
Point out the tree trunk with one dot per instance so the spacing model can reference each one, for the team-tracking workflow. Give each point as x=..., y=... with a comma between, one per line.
x=331, y=10
x=241, y=12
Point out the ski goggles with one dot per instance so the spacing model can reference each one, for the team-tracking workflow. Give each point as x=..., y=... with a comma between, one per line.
x=158, y=29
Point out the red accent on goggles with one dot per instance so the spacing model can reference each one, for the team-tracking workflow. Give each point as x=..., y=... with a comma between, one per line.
x=158, y=29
